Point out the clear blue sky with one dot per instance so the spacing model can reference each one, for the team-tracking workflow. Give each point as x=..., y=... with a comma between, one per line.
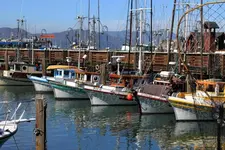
x=59, y=15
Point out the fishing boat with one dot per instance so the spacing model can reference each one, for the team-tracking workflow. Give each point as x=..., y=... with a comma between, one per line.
x=202, y=104
x=118, y=92
x=152, y=97
x=17, y=74
x=73, y=88
x=41, y=84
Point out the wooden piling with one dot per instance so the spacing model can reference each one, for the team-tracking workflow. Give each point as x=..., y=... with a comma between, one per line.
x=6, y=60
x=103, y=73
x=40, y=130
x=43, y=67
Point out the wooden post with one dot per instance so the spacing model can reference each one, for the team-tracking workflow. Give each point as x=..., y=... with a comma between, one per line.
x=90, y=57
x=6, y=60
x=103, y=73
x=49, y=57
x=43, y=67
x=134, y=60
x=40, y=130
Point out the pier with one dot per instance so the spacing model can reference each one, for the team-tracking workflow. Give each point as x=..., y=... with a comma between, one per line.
x=212, y=62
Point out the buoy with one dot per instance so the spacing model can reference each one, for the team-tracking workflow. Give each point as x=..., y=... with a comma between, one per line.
x=129, y=97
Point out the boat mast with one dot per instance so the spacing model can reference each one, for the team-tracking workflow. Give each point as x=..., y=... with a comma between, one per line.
x=136, y=20
x=151, y=35
x=202, y=40
x=32, y=50
x=171, y=33
x=130, y=40
x=80, y=18
x=186, y=25
x=99, y=24
x=18, y=36
x=89, y=13
x=140, y=43
x=142, y=24
x=126, y=34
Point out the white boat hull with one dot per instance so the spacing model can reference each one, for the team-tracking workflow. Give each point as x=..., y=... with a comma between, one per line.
x=7, y=81
x=154, y=104
x=42, y=87
x=184, y=114
x=66, y=92
x=99, y=97
x=192, y=109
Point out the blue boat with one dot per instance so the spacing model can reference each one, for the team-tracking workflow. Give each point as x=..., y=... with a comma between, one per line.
x=61, y=72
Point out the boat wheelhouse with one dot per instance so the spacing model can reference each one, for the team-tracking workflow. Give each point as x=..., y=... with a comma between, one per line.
x=60, y=72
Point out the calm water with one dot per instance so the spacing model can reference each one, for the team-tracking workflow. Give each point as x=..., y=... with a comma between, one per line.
x=75, y=125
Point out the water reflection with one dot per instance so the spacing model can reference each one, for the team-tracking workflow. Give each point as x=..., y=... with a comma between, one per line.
x=155, y=131
x=77, y=125
x=86, y=127
x=195, y=135
x=23, y=139
x=14, y=93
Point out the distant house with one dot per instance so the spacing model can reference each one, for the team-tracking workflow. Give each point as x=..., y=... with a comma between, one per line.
x=212, y=40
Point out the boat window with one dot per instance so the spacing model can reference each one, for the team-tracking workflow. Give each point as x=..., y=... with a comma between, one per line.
x=60, y=73
x=210, y=88
x=17, y=67
x=200, y=87
x=72, y=74
x=88, y=77
x=66, y=73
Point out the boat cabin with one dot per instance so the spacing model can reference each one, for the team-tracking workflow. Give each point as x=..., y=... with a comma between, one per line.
x=163, y=78
x=127, y=80
x=63, y=72
x=20, y=70
x=22, y=67
x=88, y=77
x=168, y=78
x=210, y=85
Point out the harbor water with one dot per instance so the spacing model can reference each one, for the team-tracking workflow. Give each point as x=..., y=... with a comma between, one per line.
x=76, y=125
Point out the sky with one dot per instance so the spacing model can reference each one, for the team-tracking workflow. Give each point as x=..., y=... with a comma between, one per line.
x=59, y=15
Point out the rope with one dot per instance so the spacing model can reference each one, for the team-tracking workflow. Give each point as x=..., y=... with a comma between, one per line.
x=15, y=142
